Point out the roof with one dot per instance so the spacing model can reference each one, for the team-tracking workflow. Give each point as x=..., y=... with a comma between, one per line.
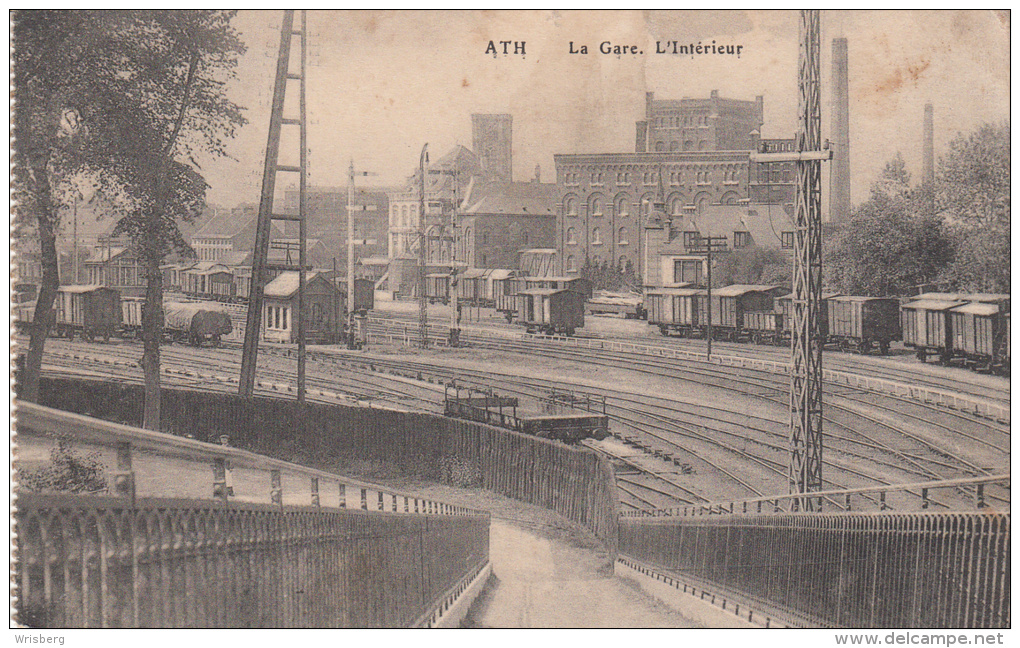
x=740, y=289
x=977, y=308
x=473, y=273
x=102, y=254
x=551, y=278
x=286, y=284
x=964, y=296
x=83, y=288
x=518, y=198
x=764, y=223
x=858, y=298
x=931, y=304
x=825, y=295
x=544, y=291
x=500, y=273
x=235, y=258
x=225, y=224
x=678, y=291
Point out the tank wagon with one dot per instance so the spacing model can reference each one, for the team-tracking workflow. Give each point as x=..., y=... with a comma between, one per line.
x=195, y=324
x=89, y=310
x=551, y=311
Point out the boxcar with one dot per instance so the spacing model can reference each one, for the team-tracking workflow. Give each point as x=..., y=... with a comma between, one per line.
x=927, y=328
x=765, y=327
x=242, y=283
x=784, y=305
x=364, y=295
x=731, y=302
x=493, y=280
x=576, y=284
x=92, y=310
x=437, y=288
x=860, y=323
x=551, y=311
x=675, y=310
x=221, y=286
x=978, y=330
x=471, y=285
x=504, y=294
x=131, y=316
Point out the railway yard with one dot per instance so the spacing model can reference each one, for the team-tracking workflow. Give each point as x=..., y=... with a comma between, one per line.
x=683, y=431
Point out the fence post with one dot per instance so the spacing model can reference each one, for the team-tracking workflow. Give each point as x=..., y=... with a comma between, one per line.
x=275, y=487
x=315, y=491
x=364, y=499
x=124, y=478
x=343, y=496
x=220, y=479
x=979, y=496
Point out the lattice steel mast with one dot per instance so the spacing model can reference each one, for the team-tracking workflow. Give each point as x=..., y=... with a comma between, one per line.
x=806, y=374
x=805, y=474
x=260, y=255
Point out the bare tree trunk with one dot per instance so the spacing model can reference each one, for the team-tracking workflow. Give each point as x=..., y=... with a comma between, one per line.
x=152, y=334
x=44, y=316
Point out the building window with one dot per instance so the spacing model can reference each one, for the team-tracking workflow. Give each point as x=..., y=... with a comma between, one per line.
x=741, y=240
x=622, y=236
x=660, y=147
x=527, y=237
x=676, y=206
x=571, y=206
x=485, y=238
x=622, y=206
x=692, y=239
x=674, y=146
x=571, y=236
x=596, y=237
x=786, y=240
x=688, y=145
x=571, y=263
x=687, y=271
x=623, y=261
x=596, y=207
x=485, y=260
x=786, y=175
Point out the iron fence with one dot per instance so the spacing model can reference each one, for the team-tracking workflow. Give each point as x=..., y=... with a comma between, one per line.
x=870, y=570
x=90, y=561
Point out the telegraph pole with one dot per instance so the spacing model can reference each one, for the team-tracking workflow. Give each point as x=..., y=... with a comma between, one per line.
x=423, y=304
x=805, y=474
x=707, y=245
x=260, y=265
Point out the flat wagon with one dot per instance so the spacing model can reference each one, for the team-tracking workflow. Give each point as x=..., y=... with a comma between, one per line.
x=551, y=311
x=861, y=323
x=91, y=310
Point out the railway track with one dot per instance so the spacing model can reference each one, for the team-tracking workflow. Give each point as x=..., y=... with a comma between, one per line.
x=655, y=424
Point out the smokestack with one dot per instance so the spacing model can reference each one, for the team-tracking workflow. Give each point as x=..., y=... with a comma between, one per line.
x=928, y=174
x=839, y=178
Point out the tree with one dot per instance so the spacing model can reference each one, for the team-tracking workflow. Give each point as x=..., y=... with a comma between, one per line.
x=972, y=195
x=132, y=98
x=753, y=265
x=889, y=244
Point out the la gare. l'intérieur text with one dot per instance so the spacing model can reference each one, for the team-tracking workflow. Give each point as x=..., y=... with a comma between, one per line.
x=615, y=49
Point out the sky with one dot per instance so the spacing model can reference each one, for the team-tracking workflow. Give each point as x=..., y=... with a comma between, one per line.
x=382, y=84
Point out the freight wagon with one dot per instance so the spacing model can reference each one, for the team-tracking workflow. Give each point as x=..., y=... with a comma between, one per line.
x=766, y=327
x=576, y=284
x=437, y=288
x=860, y=323
x=729, y=305
x=675, y=311
x=195, y=324
x=927, y=328
x=630, y=306
x=504, y=295
x=131, y=316
x=91, y=310
x=784, y=305
x=551, y=311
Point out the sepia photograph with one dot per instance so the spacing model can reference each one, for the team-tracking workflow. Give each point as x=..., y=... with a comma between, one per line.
x=555, y=319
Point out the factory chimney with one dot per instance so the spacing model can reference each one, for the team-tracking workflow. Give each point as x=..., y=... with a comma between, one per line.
x=839, y=175
x=928, y=171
